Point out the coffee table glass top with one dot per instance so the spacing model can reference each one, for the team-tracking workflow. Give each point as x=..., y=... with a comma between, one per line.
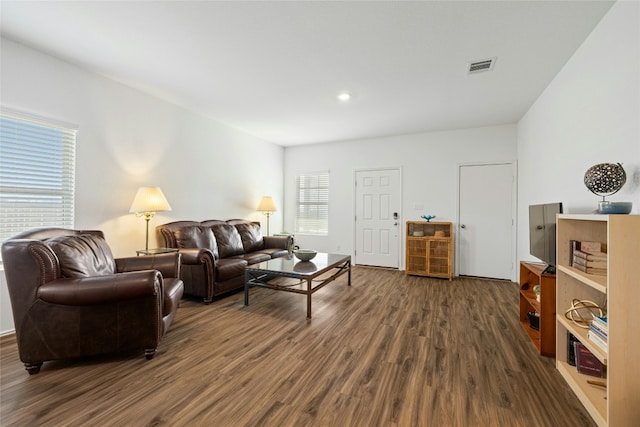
x=292, y=265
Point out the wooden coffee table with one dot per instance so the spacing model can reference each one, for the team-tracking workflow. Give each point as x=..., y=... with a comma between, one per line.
x=264, y=274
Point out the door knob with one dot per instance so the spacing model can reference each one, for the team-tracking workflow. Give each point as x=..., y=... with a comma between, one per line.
x=395, y=223
x=463, y=226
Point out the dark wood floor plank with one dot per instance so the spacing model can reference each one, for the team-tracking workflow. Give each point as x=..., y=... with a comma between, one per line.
x=391, y=350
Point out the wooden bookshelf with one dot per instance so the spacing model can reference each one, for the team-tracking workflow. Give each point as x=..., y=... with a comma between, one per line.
x=619, y=293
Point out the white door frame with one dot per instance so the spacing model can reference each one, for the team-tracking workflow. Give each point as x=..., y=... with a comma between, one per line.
x=514, y=209
x=400, y=265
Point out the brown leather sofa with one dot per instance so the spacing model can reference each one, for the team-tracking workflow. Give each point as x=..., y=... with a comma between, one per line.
x=215, y=253
x=71, y=298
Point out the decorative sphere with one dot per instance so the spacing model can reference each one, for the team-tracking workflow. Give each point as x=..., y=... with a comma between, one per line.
x=605, y=179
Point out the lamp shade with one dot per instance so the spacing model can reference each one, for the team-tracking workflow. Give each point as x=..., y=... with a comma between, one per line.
x=267, y=205
x=149, y=199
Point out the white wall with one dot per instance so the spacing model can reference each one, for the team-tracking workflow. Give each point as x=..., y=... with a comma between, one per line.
x=429, y=164
x=128, y=139
x=589, y=114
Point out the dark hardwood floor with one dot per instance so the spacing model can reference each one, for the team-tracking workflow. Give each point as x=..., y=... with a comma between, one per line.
x=391, y=350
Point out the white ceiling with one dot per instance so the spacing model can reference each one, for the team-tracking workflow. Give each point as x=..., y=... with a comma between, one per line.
x=273, y=69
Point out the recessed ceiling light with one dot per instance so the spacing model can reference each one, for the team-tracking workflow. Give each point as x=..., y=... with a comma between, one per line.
x=344, y=96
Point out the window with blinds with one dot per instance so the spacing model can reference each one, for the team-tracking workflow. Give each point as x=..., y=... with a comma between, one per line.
x=312, y=204
x=37, y=174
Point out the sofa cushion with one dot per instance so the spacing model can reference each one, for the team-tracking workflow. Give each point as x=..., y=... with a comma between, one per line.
x=251, y=236
x=229, y=268
x=273, y=252
x=173, y=289
x=229, y=240
x=254, y=257
x=194, y=237
x=83, y=255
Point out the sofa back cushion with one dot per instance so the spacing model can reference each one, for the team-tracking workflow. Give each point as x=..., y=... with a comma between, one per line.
x=250, y=235
x=228, y=239
x=83, y=255
x=194, y=236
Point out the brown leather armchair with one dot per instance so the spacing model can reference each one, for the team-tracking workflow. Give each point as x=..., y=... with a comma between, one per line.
x=71, y=298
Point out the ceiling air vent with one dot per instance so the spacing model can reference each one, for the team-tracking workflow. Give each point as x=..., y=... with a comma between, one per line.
x=483, y=65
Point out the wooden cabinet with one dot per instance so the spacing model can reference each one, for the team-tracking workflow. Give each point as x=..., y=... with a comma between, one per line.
x=429, y=249
x=617, y=404
x=544, y=338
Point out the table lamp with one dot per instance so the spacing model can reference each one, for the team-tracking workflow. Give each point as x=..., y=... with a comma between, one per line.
x=267, y=207
x=147, y=202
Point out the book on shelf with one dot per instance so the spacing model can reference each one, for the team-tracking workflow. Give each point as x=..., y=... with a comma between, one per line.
x=603, y=334
x=591, y=270
x=589, y=246
x=599, y=325
x=601, y=320
x=589, y=255
x=591, y=251
x=586, y=362
x=595, y=338
x=596, y=263
x=571, y=349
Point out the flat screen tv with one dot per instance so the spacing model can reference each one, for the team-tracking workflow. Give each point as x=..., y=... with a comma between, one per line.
x=542, y=233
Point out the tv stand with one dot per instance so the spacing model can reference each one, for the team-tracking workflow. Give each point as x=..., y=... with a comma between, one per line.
x=544, y=338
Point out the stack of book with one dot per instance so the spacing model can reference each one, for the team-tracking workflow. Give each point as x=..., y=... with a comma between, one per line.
x=587, y=363
x=598, y=332
x=589, y=257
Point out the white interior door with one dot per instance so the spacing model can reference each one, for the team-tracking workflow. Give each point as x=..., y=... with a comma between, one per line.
x=486, y=220
x=377, y=207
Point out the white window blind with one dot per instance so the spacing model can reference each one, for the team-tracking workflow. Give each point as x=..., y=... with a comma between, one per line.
x=312, y=204
x=37, y=174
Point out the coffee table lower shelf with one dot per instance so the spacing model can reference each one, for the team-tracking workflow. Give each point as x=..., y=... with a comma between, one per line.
x=262, y=274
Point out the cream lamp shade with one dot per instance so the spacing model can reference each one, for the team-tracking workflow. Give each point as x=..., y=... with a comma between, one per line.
x=267, y=207
x=146, y=203
x=149, y=199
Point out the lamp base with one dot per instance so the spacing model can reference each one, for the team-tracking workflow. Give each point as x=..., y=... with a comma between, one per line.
x=146, y=239
x=268, y=215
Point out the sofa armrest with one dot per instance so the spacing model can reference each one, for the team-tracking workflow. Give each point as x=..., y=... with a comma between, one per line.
x=102, y=289
x=195, y=256
x=201, y=257
x=278, y=242
x=167, y=264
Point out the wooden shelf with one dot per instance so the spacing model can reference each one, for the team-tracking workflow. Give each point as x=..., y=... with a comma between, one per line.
x=429, y=249
x=593, y=398
x=597, y=282
x=581, y=334
x=619, y=294
x=531, y=275
x=533, y=334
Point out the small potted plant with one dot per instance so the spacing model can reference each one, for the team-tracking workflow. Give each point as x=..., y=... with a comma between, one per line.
x=536, y=290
